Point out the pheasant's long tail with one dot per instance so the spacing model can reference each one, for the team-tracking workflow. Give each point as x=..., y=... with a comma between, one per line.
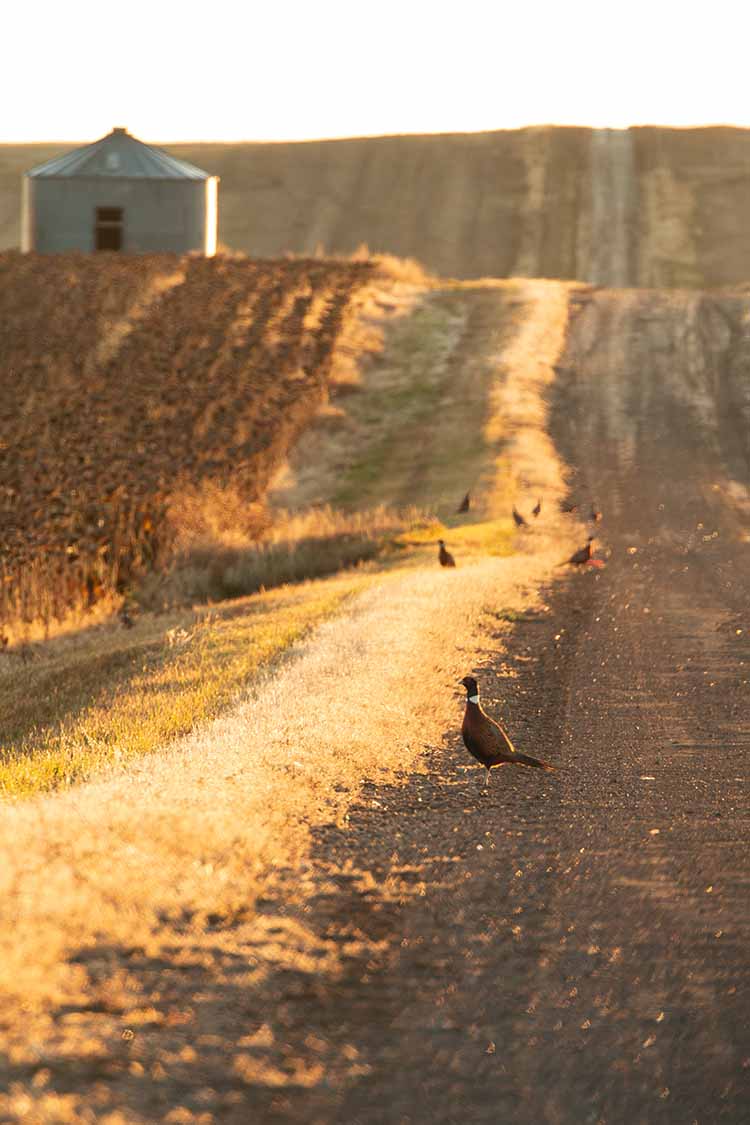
x=527, y=760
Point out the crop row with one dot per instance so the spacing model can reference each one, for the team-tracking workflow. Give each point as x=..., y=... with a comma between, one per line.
x=210, y=382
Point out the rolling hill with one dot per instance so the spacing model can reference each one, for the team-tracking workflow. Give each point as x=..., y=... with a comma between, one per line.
x=647, y=206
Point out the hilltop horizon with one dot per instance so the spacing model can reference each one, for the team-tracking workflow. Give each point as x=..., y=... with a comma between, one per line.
x=143, y=133
x=514, y=202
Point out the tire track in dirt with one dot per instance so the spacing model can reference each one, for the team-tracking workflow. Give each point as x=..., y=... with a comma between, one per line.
x=613, y=188
x=656, y=716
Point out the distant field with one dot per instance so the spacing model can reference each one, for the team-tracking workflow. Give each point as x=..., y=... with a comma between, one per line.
x=538, y=202
x=127, y=386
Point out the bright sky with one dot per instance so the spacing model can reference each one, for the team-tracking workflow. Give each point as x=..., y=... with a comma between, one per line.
x=172, y=70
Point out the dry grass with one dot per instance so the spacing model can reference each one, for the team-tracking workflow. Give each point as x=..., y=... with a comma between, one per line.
x=518, y=408
x=80, y=704
x=220, y=562
x=387, y=266
x=407, y=270
x=411, y=428
x=466, y=541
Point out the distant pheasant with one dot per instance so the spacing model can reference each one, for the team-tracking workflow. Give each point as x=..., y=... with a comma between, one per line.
x=537, y=508
x=518, y=519
x=486, y=740
x=595, y=515
x=445, y=557
x=580, y=558
x=125, y=618
x=464, y=505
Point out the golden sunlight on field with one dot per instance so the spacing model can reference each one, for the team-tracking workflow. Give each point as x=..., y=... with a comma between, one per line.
x=144, y=857
x=374, y=622
x=224, y=360
x=272, y=871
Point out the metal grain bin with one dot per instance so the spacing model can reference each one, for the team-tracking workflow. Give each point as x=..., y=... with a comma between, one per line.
x=119, y=194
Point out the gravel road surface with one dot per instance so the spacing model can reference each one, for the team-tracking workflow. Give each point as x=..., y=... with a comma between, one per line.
x=574, y=947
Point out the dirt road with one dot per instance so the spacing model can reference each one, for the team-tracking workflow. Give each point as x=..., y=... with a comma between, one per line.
x=613, y=210
x=571, y=947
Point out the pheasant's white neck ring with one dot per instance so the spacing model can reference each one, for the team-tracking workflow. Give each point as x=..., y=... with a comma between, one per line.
x=473, y=699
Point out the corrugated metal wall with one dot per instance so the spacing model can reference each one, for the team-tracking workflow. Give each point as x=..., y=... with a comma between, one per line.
x=158, y=215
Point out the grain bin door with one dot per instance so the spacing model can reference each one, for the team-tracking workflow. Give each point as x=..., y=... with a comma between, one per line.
x=108, y=228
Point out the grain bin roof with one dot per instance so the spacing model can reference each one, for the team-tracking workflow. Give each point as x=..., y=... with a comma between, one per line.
x=118, y=156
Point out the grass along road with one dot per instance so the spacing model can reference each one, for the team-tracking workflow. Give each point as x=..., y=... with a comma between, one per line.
x=85, y=702
x=456, y=376
x=99, y=696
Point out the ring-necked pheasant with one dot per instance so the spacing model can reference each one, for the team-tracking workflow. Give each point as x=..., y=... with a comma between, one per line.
x=125, y=618
x=464, y=505
x=486, y=740
x=581, y=557
x=518, y=519
x=444, y=556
